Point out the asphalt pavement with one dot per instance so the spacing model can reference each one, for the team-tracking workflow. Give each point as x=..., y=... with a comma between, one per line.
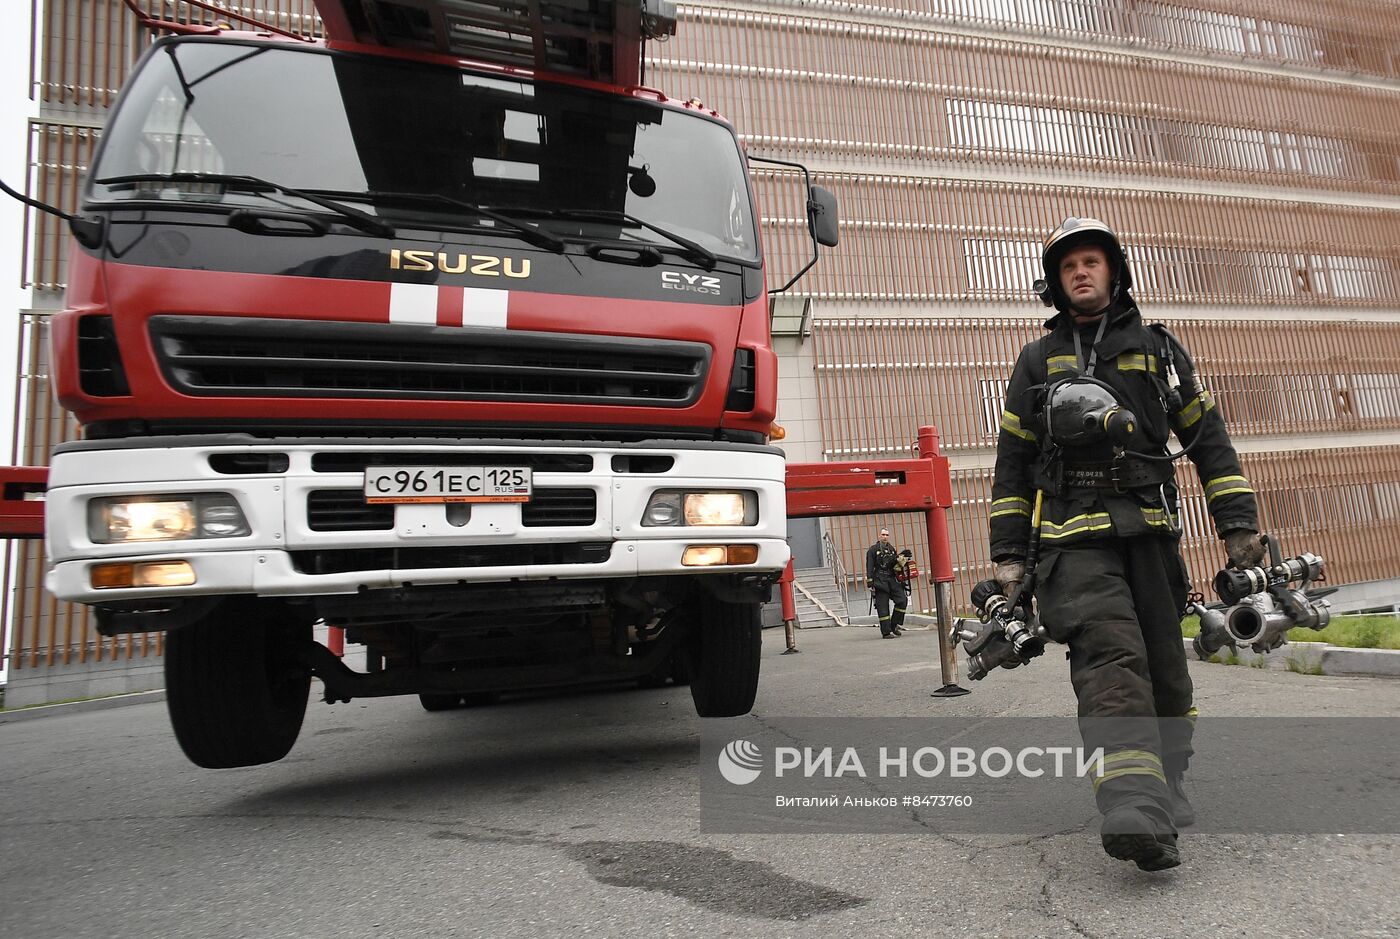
x=579, y=814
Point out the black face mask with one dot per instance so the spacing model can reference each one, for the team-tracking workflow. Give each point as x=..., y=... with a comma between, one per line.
x=1083, y=411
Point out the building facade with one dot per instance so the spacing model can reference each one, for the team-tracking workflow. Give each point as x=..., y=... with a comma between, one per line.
x=1247, y=152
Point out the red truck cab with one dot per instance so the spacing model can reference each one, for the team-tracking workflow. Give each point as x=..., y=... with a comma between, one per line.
x=467, y=358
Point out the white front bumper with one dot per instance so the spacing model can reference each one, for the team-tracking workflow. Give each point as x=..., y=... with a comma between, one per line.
x=271, y=560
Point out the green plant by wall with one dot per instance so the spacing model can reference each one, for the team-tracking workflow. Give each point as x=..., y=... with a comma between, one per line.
x=1368, y=634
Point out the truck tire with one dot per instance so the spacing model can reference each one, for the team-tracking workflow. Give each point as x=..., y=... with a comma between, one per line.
x=440, y=702
x=680, y=669
x=235, y=686
x=657, y=677
x=724, y=657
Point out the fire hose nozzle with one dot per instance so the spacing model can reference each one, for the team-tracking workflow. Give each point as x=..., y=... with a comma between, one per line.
x=1262, y=622
x=1234, y=584
x=960, y=632
x=1265, y=602
x=1213, y=636
x=1002, y=638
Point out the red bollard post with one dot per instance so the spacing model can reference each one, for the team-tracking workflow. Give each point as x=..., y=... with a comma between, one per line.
x=789, y=610
x=335, y=641
x=941, y=562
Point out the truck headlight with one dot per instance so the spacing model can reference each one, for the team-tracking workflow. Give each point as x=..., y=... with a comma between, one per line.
x=678, y=508
x=123, y=519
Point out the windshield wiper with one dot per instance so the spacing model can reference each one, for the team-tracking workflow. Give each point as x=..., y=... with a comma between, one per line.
x=694, y=251
x=361, y=220
x=529, y=233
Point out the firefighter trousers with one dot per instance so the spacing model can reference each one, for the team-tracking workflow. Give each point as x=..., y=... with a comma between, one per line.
x=889, y=591
x=1117, y=603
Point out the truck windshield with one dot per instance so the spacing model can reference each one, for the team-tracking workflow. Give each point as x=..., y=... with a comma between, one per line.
x=351, y=124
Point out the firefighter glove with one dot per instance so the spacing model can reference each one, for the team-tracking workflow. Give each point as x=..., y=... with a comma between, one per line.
x=1244, y=547
x=1008, y=573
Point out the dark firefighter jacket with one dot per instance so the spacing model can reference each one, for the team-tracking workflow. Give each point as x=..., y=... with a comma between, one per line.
x=1132, y=360
x=880, y=562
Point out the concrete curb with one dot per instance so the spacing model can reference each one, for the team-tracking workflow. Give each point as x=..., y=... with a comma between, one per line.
x=1309, y=658
x=78, y=707
x=1339, y=660
x=1319, y=658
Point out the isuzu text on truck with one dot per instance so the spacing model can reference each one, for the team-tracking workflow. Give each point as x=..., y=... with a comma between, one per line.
x=468, y=358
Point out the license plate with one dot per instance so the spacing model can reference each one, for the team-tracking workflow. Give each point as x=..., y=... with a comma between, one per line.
x=447, y=484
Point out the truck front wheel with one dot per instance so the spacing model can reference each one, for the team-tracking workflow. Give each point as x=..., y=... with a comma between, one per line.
x=440, y=702
x=235, y=685
x=723, y=657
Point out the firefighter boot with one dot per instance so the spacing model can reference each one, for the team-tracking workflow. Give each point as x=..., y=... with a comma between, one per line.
x=1130, y=835
x=1183, y=814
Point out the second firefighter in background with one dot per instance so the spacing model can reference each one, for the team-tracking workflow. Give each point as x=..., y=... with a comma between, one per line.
x=886, y=571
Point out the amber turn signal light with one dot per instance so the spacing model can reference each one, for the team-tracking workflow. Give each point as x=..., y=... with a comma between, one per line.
x=119, y=575
x=714, y=555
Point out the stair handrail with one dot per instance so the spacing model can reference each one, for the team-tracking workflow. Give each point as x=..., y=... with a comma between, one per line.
x=833, y=561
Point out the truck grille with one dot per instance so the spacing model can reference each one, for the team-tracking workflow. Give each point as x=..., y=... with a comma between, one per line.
x=561, y=508
x=252, y=357
x=343, y=561
x=346, y=510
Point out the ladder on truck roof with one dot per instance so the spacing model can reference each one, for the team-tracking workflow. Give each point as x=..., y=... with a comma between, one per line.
x=596, y=39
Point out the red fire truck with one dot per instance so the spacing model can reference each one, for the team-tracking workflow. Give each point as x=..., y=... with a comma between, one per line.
x=444, y=330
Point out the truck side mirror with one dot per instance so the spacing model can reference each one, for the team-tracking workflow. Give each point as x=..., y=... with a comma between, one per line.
x=821, y=217
x=821, y=214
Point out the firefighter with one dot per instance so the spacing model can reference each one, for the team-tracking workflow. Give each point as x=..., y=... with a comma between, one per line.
x=1085, y=430
x=882, y=563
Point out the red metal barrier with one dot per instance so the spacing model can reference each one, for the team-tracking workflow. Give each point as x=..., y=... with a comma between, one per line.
x=789, y=609
x=868, y=487
x=941, y=562
x=21, y=501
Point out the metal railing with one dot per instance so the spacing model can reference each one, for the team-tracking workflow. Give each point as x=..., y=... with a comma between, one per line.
x=832, y=560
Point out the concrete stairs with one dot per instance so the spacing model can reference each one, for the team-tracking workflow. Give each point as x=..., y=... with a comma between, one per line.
x=820, y=602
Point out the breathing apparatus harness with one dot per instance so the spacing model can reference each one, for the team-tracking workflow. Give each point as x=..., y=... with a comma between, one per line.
x=1081, y=411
